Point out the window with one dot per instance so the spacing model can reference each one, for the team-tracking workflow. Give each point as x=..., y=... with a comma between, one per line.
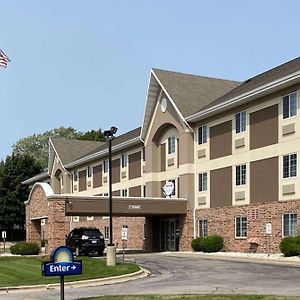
x=240, y=122
x=144, y=191
x=171, y=144
x=105, y=165
x=289, y=224
x=290, y=165
x=89, y=171
x=174, y=189
x=124, y=193
x=106, y=232
x=240, y=175
x=124, y=160
x=290, y=105
x=75, y=175
x=144, y=154
x=202, y=134
x=203, y=228
x=202, y=182
x=241, y=227
x=75, y=219
x=90, y=218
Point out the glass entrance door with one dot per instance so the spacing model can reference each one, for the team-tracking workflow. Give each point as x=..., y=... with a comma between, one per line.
x=168, y=235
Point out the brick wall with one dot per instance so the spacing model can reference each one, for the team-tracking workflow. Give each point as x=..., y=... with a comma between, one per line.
x=221, y=221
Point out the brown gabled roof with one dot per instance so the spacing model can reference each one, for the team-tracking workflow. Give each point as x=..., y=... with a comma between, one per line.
x=118, y=140
x=260, y=80
x=70, y=150
x=193, y=92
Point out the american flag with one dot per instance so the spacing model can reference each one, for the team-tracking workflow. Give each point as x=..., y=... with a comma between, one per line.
x=4, y=60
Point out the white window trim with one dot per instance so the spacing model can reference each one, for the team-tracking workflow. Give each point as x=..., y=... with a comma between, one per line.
x=240, y=123
x=289, y=97
x=202, y=135
x=240, y=237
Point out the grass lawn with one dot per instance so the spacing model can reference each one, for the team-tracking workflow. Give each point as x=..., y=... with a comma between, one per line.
x=192, y=297
x=15, y=271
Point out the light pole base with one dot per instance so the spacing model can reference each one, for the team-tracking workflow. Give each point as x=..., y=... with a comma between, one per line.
x=111, y=255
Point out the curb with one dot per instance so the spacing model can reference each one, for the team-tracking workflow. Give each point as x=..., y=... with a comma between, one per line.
x=83, y=283
x=261, y=260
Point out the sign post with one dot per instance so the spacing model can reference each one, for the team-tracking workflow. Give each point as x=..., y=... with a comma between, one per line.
x=124, y=236
x=268, y=233
x=3, y=237
x=62, y=263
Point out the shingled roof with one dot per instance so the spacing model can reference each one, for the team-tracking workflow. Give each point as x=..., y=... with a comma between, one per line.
x=70, y=150
x=193, y=92
x=260, y=80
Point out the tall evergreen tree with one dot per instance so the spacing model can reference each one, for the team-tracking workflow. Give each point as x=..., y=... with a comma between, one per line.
x=13, y=171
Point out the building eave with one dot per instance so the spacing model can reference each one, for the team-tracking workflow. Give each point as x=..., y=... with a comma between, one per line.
x=246, y=97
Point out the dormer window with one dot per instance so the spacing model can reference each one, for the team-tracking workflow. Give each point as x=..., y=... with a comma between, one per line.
x=171, y=145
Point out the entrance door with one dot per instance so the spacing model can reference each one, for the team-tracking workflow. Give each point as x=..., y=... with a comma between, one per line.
x=168, y=235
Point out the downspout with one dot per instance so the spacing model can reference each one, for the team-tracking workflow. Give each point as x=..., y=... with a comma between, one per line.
x=195, y=187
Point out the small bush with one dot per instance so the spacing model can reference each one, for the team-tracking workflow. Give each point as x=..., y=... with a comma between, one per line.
x=290, y=246
x=196, y=244
x=25, y=248
x=212, y=243
x=43, y=243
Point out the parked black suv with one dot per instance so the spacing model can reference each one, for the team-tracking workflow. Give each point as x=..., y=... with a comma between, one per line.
x=84, y=240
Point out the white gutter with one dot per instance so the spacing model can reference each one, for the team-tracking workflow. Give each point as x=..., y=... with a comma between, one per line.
x=103, y=152
x=240, y=98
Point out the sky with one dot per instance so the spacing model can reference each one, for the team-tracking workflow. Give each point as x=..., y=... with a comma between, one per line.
x=86, y=64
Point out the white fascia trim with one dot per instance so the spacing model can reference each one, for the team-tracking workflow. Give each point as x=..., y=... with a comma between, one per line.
x=244, y=96
x=145, y=107
x=103, y=152
x=58, y=159
x=173, y=103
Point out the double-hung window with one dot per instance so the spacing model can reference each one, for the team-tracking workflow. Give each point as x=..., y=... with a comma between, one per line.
x=105, y=166
x=240, y=175
x=289, y=105
x=241, y=227
x=203, y=228
x=289, y=224
x=89, y=171
x=202, y=135
x=124, y=160
x=171, y=144
x=289, y=165
x=202, y=182
x=240, y=122
x=124, y=193
x=106, y=232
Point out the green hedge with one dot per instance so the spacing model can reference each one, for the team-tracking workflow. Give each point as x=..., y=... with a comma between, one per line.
x=25, y=248
x=212, y=243
x=290, y=246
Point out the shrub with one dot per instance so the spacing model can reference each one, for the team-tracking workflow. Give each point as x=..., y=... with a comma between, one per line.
x=25, y=248
x=43, y=243
x=196, y=244
x=290, y=246
x=212, y=243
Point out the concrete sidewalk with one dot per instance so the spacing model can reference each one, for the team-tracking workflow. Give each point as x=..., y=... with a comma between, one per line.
x=242, y=257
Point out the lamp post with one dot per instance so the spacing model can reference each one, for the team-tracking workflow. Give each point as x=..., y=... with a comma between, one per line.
x=111, y=250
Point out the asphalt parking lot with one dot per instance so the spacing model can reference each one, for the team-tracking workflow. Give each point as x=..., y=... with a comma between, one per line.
x=182, y=274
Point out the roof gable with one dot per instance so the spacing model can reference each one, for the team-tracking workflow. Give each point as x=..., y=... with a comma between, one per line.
x=188, y=93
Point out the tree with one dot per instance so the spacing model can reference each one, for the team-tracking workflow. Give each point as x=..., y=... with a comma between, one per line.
x=37, y=145
x=13, y=171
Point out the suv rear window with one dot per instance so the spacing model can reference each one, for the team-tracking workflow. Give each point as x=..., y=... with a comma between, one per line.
x=91, y=232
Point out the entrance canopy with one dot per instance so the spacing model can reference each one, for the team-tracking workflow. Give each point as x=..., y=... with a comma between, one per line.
x=129, y=206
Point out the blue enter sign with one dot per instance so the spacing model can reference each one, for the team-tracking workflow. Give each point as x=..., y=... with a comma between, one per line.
x=62, y=268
